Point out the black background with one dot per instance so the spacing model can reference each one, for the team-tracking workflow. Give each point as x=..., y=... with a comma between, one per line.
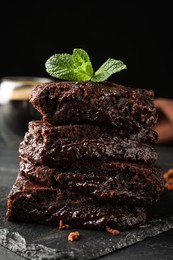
x=138, y=34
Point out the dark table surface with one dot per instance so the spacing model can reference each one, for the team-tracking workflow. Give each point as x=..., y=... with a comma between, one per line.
x=159, y=247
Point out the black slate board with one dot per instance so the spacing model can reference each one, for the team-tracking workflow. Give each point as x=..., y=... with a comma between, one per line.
x=34, y=241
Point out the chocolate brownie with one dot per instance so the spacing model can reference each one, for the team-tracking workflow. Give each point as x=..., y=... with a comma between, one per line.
x=62, y=145
x=107, y=103
x=118, y=182
x=48, y=132
x=35, y=203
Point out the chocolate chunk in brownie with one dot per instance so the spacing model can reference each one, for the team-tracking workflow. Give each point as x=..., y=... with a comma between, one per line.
x=118, y=182
x=35, y=203
x=62, y=145
x=68, y=102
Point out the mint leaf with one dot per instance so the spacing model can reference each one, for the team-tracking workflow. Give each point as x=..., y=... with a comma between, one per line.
x=83, y=66
x=60, y=66
x=78, y=67
x=80, y=56
x=75, y=67
x=111, y=66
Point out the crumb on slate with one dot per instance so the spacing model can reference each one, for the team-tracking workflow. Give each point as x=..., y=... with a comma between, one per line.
x=168, y=176
x=73, y=236
x=112, y=231
x=63, y=226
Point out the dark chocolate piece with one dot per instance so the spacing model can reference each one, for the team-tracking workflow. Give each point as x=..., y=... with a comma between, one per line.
x=67, y=102
x=118, y=182
x=34, y=203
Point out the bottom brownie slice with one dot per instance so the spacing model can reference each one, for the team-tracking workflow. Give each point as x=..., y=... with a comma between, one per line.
x=36, y=203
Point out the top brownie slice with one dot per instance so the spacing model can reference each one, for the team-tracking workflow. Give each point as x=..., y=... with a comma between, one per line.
x=68, y=102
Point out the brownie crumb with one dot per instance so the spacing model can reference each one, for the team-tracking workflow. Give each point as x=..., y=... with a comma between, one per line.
x=168, y=176
x=73, y=236
x=114, y=232
x=63, y=226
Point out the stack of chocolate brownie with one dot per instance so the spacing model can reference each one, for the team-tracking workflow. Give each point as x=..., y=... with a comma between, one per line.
x=91, y=161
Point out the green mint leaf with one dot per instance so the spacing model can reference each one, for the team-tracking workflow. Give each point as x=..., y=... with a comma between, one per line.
x=111, y=66
x=60, y=66
x=79, y=57
x=83, y=67
x=75, y=67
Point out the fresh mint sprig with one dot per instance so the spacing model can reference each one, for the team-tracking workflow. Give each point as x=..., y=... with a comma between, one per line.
x=78, y=67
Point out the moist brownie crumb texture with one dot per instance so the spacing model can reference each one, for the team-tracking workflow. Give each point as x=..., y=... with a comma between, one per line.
x=91, y=161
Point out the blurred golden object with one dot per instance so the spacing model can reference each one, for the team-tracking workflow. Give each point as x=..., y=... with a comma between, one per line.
x=15, y=109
